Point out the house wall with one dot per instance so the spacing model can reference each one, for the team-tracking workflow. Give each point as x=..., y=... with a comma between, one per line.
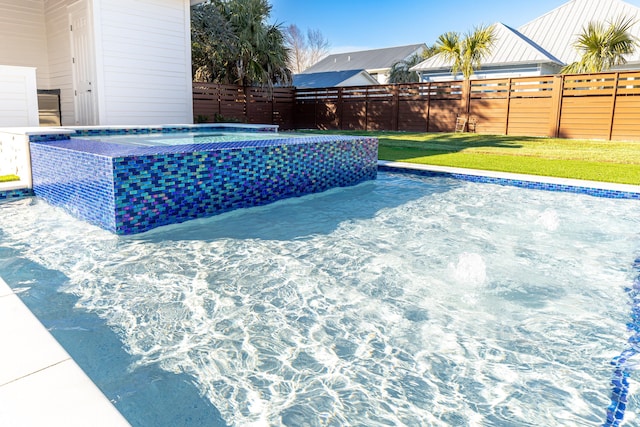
x=494, y=73
x=357, y=80
x=144, y=61
x=59, y=54
x=380, y=74
x=23, y=40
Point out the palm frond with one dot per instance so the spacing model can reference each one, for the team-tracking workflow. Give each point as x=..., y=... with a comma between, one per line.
x=603, y=46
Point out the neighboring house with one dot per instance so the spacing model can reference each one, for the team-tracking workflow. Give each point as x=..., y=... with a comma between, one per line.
x=542, y=46
x=376, y=62
x=333, y=79
x=115, y=62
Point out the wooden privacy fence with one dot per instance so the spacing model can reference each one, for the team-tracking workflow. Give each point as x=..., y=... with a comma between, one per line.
x=598, y=106
x=214, y=102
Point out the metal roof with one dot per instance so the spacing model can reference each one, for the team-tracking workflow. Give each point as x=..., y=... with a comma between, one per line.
x=511, y=48
x=366, y=59
x=550, y=38
x=328, y=78
x=557, y=30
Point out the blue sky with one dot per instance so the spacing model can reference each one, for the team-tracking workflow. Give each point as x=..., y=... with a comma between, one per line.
x=351, y=25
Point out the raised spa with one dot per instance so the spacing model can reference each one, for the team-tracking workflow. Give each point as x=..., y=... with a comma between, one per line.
x=131, y=180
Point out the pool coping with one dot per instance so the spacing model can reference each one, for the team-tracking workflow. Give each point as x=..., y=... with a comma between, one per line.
x=40, y=384
x=595, y=188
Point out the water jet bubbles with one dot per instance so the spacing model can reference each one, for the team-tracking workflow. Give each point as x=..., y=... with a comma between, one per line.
x=470, y=269
x=548, y=220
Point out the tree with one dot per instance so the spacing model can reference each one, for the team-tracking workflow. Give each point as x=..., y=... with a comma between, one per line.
x=233, y=43
x=401, y=71
x=603, y=46
x=466, y=53
x=211, y=40
x=305, y=50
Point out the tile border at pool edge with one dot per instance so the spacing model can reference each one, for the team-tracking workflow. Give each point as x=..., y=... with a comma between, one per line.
x=39, y=373
x=563, y=184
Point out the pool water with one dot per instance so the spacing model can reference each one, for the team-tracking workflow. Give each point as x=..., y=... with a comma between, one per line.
x=401, y=301
x=187, y=138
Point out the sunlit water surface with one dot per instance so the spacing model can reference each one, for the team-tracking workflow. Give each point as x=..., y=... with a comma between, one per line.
x=404, y=301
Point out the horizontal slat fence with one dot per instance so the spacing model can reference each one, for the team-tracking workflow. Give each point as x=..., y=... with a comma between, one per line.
x=600, y=106
x=215, y=102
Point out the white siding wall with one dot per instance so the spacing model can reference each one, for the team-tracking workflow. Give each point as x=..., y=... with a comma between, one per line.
x=144, y=61
x=59, y=52
x=23, y=40
x=494, y=73
x=357, y=80
x=18, y=96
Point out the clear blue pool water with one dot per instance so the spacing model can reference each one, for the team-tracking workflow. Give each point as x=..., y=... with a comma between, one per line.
x=187, y=138
x=401, y=301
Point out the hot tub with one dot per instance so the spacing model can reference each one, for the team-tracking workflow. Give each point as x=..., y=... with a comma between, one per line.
x=122, y=181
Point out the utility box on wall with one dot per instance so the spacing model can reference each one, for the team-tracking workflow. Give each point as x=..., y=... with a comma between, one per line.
x=49, y=107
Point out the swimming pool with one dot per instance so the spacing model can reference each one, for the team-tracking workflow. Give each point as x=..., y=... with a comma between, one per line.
x=401, y=301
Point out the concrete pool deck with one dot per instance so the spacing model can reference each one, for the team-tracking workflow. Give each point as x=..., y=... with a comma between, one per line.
x=40, y=384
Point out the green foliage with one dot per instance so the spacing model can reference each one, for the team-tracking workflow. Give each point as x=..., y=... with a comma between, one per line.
x=603, y=46
x=466, y=53
x=232, y=43
x=401, y=71
x=219, y=118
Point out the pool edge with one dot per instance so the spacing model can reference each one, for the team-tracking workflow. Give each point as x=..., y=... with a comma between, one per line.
x=38, y=372
x=595, y=188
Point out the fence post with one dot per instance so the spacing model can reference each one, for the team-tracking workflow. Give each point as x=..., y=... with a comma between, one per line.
x=466, y=97
x=246, y=103
x=506, y=120
x=395, y=107
x=428, y=105
x=366, y=109
x=613, y=105
x=340, y=108
x=556, y=106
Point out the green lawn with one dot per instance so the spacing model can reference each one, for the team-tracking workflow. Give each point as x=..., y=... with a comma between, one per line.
x=609, y=161
x=7, y=178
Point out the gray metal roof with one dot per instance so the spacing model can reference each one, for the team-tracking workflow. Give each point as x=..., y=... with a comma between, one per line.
x=365, y=59
x=551, y=37
x=557, y=30
x=511, y=48
x=329, y=79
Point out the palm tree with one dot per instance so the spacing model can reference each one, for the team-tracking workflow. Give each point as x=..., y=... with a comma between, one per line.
x=261, y=51
x=234, y=44
x=603, y=46
x=466, y=53
x=212, y=39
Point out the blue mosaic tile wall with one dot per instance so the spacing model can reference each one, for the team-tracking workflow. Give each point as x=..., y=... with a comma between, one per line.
x=80, y=182
x=148, y=187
